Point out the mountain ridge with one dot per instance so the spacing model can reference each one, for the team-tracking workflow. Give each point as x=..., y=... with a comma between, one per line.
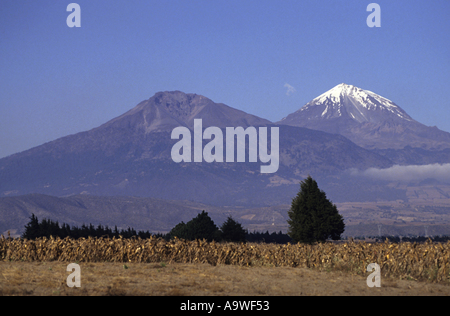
x=367, y=119
x=167, y=110
x=131, y=155
x=128, y=159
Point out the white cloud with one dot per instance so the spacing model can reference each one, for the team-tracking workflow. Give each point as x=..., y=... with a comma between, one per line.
x=290, y=89
x=407, y=173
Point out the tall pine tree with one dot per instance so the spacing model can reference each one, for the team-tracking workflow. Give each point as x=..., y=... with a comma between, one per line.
x=200, y=227
x=312, y=217
x=233, y=231
x=31, y=228
x=203, y=227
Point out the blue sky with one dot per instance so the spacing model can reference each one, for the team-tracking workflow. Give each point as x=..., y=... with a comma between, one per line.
x=56, y=80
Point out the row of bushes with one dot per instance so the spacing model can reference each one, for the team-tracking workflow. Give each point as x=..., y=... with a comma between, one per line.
x=200, y=227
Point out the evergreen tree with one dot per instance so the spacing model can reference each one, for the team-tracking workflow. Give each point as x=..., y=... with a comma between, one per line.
x=179, y=231
x=116, y=232
x=66, y=231
x=31, y=228
x=200, y=227
x=312, y=217
x=91, y=230
x=45, y=228
x=233, y=231
x=203, y=227
x=100, y=231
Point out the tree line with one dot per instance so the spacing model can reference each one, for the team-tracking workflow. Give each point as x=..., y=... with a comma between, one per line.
x=412, y=239
x=199, y=227
x=312, y=218
x=47, y=227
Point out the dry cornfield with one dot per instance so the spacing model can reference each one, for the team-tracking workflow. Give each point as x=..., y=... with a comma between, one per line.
x=420, y=261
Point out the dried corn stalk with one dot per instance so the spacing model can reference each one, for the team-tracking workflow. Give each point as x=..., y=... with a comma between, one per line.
x=415, y=260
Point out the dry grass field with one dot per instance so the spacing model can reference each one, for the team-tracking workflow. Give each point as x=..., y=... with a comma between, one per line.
x=157, y=267
x=183, y=279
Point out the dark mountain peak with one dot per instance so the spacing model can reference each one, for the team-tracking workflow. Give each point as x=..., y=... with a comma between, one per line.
x=179, y=104
x=167, y=110
x=177, y=100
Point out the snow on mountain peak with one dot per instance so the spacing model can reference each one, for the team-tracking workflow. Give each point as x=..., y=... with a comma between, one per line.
x=358, y=103
x=367, y=119
x=343, y=89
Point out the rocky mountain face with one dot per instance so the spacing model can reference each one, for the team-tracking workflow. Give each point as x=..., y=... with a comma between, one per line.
x=368, y=119
x=137, y=212
x=131, y=155
x=167, y=110
x=117, y=173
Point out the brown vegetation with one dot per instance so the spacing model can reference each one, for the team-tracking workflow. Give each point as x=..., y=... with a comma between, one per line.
x=425, y=261
x=162, y=279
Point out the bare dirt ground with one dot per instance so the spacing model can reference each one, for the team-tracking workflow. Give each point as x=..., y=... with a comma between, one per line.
x=49, y=279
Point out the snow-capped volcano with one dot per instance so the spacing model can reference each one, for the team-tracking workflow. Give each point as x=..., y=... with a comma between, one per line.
x=349, y=101
x=366, y=118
